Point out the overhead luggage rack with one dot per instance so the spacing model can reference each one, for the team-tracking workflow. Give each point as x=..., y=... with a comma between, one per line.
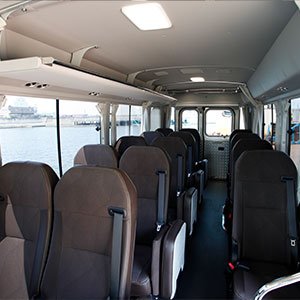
x=48, y=78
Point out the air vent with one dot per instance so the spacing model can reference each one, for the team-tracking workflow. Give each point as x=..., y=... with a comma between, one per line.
x=37, y=85
x=282, y=89
x=96, y=94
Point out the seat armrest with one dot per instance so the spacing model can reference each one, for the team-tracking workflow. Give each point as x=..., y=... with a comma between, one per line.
x=156, y=259
x=173, y=253
x=190, y=208
x=277, y=284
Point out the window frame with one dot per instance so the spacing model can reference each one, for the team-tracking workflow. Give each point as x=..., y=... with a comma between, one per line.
x=218, y=108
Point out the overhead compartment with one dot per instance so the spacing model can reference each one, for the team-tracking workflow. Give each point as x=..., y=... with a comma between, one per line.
x=278, y=75
x=48, y=78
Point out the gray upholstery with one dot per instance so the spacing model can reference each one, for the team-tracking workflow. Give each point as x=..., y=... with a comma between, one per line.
x=26, y=190
x=100, y=155
x=165, y=131
x=80, y=252
x=242, y=135
x=260, y=218
x=125, y=142
x=150, y=136
x=142, y=164
x=197, y=138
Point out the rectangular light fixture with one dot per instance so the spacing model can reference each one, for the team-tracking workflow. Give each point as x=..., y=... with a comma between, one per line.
x=147, y=16
x=198, y=79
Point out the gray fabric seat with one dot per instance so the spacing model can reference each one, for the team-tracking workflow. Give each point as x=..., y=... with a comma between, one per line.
x=159, y=245
x=142, y=164
x=79, y=263
x=234, y=132
x=26, y=191
x=100, y=155
x=125, y=142
x=165, y=131
x=260, y=221
x=150, y=136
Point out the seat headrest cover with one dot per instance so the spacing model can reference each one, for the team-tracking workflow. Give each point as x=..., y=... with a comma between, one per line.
x=100, y=155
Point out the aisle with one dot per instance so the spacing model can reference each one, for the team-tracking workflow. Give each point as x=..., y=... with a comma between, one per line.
x=206, y=252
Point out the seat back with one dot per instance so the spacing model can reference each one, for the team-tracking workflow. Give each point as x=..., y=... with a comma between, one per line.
x=26, y=192
x=175, y=147
x=100, y=155
x=165, y=131
x=79, y=262
x=242, y=135
x=190, y=143
x=234, y=132
x=142, y=165
x=197, y=137
x=260, y=219
x=245, y=145
x=125, y=142
x=150, y=136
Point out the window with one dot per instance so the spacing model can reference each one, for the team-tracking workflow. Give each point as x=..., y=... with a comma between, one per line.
x=172, y=125
x=136, y=120
x=242, y=119
x=122, y=121
x=218, y=122
x=78, y=122
x=269, y=123
x=28, y=131
x=295, y=137
x=155, y=118
x=190, y=119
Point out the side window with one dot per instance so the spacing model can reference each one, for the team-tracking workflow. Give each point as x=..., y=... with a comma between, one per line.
x=295, y=127
x=172, y=124
x=136, y=119
x=155, y=118
x=28, y=131
x=122, y=121
x=218, y=122
x=270, y=123
x=190, y=119
x=78, y=122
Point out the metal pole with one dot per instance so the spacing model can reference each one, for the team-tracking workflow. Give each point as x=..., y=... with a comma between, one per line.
x=58, y=139
x=129, y=119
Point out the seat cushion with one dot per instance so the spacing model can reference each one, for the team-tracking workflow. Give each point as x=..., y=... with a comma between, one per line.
x=141, y=285
x=246, y=283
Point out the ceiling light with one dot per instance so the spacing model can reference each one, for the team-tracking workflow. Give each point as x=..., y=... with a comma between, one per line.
x=197, y=79
x=148, y=16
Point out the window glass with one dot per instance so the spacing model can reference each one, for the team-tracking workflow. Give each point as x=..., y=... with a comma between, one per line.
x=136, y=120
x=242, y=120
x=28, y=131
x=218, y=122
x=190, y=119
x=78, y=123
x=295, y=137
x=172, y=125
x=122, y=121
x=155, y=118
x=269, y=123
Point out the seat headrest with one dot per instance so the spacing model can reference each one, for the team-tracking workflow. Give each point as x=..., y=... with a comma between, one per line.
x=234, y=132
x=187, y=137
x=171, y=144
x=165, y=131
x=194, y=132
x=150, y=136
x=100, y=155
x=264, y=166
x=125, y=142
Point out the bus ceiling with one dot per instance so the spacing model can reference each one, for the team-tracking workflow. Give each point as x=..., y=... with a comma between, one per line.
x=249, y=48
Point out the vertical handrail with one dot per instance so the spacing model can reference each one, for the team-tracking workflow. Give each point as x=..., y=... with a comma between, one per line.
x=58, y=139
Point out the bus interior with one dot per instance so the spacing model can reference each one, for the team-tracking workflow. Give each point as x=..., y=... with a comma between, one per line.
x=149, y=149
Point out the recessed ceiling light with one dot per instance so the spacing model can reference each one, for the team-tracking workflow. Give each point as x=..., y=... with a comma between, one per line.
x=148, y=16
x=198, y=79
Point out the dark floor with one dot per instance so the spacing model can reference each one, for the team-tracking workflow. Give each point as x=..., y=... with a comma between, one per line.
x=206, y=253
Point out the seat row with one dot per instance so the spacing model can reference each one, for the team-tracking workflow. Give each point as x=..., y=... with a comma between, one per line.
x=264, y=217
